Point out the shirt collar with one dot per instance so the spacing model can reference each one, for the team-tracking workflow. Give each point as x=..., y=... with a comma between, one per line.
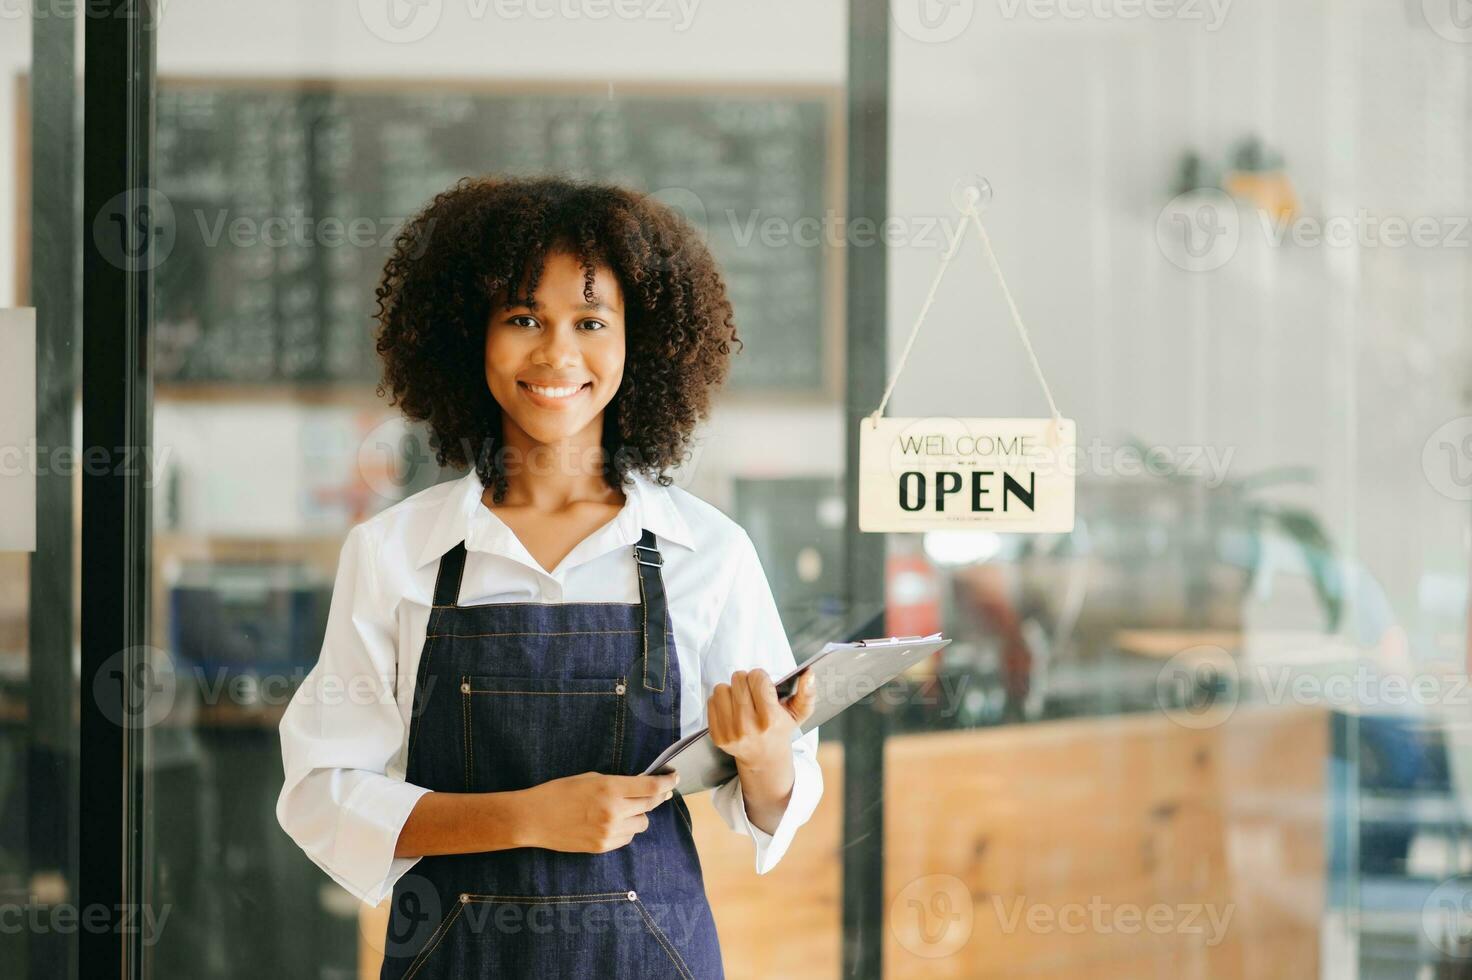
x=462, y=517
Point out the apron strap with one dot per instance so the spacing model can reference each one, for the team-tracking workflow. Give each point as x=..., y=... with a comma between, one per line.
x=656, y=611
x=447, y=583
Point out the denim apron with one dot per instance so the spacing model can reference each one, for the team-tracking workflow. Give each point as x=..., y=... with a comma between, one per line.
x=508, y=696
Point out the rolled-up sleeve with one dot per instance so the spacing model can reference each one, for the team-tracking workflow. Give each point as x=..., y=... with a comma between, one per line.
x=749, y=634
x=339, y=733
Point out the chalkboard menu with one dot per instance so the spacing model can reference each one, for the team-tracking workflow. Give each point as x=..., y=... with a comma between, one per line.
x=285, y=198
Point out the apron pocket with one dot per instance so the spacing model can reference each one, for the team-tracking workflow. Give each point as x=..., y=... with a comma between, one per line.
x=588, y=934
x=519, y=732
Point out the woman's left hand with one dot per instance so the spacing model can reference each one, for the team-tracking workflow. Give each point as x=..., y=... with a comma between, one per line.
x=749, y=722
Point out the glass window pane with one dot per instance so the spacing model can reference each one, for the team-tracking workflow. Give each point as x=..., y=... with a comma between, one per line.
x=40, y=306
x=1233, y=691
x=292, y=145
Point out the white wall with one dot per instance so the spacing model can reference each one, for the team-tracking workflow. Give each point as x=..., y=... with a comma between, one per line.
x=687, y=40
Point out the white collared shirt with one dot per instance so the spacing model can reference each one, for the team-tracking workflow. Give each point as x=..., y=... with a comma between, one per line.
x=344, y=736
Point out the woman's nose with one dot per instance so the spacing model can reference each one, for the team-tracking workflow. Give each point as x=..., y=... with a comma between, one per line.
x=558, y=347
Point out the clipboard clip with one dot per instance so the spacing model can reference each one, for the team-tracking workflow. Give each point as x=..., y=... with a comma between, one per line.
x=895, y=639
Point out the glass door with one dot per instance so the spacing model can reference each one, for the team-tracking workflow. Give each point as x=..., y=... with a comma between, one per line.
x=41, y=898
x=292, y=142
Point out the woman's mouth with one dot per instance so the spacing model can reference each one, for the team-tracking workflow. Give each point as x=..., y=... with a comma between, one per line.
x=553, y=395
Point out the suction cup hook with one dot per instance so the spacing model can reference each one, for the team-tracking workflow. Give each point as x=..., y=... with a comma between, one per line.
x=971, y=192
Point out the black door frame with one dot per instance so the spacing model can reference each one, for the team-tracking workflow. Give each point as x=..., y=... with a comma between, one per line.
x=117, y=293
x=863, y=728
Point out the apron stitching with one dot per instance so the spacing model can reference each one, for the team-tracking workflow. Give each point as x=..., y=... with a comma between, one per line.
x=469, y=636
x=664, y=645
x=465, y=725
x=663, y=639
x=436, y=939
x=560, y=694
x=668, y=946
x=644, y=620
x=495, y=605
x=547, y=899
x=618, y=732
x=681, y=811
x=644, y=605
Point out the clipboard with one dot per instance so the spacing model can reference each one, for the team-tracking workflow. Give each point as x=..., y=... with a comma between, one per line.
x=843, y=673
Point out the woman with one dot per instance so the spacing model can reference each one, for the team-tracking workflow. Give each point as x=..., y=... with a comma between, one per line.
x=506, y=652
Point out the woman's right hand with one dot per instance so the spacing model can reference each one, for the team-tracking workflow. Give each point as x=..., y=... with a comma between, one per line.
x=592, y=812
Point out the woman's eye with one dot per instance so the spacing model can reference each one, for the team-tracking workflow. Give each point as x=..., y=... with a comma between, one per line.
x=523, y=321
x=593, y=324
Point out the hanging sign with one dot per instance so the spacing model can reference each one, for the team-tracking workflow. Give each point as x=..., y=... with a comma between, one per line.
x=947, y=474
x=938, y=473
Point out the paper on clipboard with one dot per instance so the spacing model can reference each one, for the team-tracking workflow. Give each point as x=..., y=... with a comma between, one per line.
x=852, y=671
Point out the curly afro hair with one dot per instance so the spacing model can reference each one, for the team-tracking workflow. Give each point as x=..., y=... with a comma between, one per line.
x=490, y=235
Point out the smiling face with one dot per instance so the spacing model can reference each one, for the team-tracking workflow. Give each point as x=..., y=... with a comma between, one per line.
x=555, y=360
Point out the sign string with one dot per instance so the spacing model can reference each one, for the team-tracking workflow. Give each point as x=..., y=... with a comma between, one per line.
x=970, y=211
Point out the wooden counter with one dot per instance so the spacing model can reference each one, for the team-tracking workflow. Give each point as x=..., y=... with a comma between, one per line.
x=1095, y=818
